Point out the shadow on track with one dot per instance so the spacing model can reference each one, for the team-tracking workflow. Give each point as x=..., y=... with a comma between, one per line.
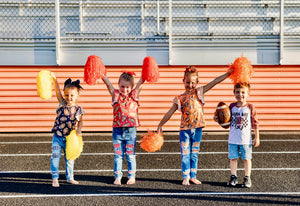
x=40, y=184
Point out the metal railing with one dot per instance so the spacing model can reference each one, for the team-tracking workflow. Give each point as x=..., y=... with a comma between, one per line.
x=168, y=21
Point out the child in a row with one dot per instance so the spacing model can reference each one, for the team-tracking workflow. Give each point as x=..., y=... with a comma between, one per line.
x=190, y=104
x=125, y=102
x=243, y=120
x=69, y=117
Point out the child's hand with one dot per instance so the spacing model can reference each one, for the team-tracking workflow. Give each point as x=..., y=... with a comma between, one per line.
x=159, y=130
x=216, y=117
x=53, y=77
x=256, y=142
x=102, y=76
x=78, y=133
x=230, y=71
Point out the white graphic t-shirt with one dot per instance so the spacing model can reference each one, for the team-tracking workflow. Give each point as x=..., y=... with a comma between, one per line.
x=243, y=119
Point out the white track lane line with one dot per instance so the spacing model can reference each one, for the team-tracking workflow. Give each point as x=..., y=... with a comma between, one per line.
x=152, y=170
x=152, y=153
x=166, y=141
x=155, y=194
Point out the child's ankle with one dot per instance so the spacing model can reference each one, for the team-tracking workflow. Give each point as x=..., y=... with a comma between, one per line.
x=55, y=183
x=73, y=182
x=131, y=181
x=195, y=181
x=117, y=181
x=186, y=181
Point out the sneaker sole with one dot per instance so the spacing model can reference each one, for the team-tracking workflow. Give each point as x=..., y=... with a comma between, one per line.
x=232, y=185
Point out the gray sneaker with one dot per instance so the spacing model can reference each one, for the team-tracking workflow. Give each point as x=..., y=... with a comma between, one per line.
x=247, y=182
x=233, y=181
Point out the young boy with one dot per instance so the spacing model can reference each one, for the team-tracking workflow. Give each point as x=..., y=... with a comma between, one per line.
x=243, y=119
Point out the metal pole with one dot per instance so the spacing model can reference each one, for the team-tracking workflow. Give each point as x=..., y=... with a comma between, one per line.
x=81, y=16
x=170, y=33
x=281, y=31
x=57, y=21
x=157, y=20
x=142, y=18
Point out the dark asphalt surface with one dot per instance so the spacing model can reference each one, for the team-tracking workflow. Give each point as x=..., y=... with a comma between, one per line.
x=30, y=184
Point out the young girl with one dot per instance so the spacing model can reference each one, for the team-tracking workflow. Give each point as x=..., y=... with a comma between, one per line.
x=69, y=117
x=190, y=103
x=125, y=102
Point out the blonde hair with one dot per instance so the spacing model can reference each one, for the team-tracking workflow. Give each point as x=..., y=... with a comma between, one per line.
x=190, y=70
x=127, y=77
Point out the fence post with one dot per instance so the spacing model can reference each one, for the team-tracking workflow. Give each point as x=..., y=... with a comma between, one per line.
x=57, y=22
x=281, y=31
x=142, y=17
x=170, y=33
x=81, y=16
x=157, y=16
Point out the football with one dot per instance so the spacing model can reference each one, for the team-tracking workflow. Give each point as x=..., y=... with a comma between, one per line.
x=223, y=114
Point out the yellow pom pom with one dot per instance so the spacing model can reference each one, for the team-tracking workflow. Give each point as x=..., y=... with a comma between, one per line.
x=152, y=142
x=74, y=145
x=44, y=84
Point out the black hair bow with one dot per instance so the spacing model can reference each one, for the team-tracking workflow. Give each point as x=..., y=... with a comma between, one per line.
x=76, y=83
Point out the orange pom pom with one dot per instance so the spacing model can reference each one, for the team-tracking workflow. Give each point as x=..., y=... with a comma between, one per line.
x=93, y=70
x=151, y=142
x=242, y=70
x=150, y=71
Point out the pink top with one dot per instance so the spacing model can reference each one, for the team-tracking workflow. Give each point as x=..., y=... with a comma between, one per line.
x=191, y=107
x=125, y=109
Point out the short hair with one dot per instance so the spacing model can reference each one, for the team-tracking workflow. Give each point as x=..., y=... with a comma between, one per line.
x=242, y=85
x=127, y=77
x=190, y=70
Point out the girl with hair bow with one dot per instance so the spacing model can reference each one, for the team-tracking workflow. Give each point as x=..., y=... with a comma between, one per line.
x=69, y=117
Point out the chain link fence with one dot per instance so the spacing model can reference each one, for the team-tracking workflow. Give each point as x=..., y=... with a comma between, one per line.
x=133, y=20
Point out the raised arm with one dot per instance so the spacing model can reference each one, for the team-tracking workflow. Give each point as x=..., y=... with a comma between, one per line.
x=109, y=86
x=57, y=89
x=138, y=86
x=166, y=118
x=216, y=81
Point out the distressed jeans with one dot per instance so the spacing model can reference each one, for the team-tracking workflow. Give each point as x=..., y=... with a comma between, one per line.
x=190, y=147
x=59, y=143
x=124, y=141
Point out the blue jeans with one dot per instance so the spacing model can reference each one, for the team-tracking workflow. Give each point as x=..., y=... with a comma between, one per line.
x=124, y=141
x=59, y=143
x=190, y=147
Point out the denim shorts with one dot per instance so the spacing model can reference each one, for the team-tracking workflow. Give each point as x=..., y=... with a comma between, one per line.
x=244, y=151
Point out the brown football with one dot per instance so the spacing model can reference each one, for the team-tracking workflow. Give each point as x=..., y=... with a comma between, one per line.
x=224, y=115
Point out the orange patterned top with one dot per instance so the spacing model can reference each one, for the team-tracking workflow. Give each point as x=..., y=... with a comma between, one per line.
x=125, y=109
x=191, y=107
